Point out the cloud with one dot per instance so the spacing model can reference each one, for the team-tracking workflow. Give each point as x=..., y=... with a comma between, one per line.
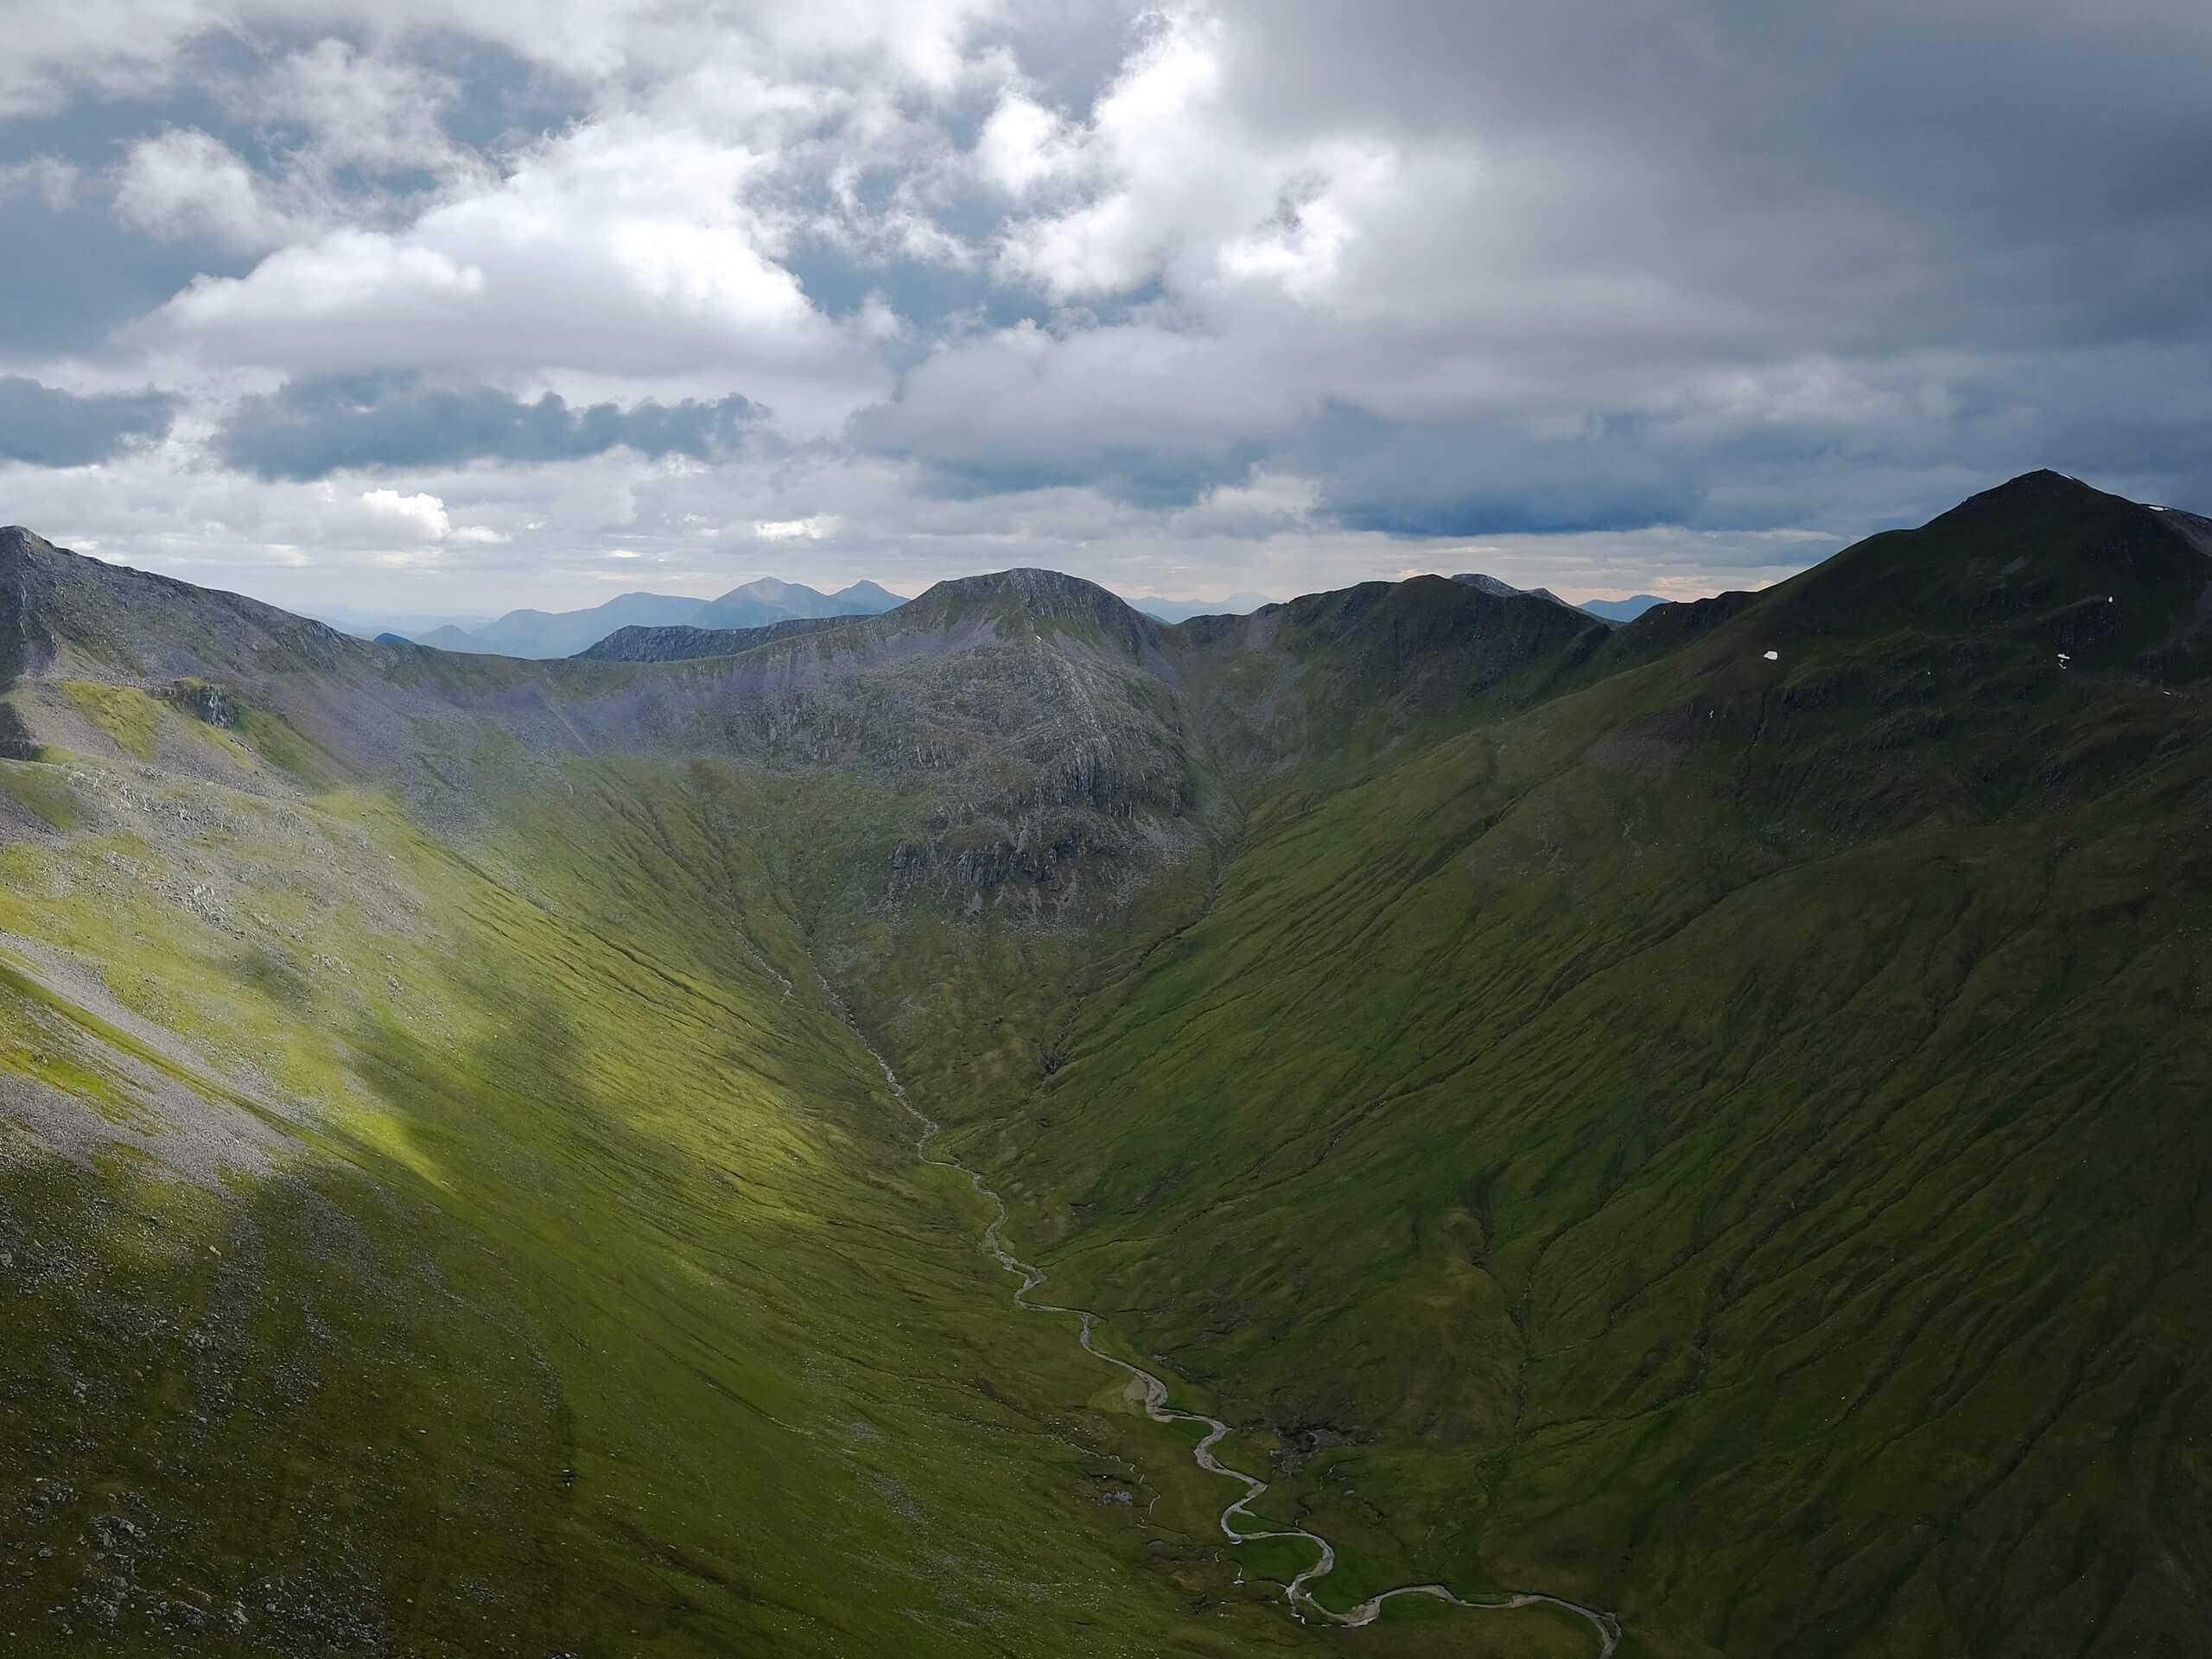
x=422, y=516
x=1496, y=477
x=1205, y=286
x=1265, y=504
x=362, y=110
x=333, y=133
x=60, y=48
x=44, y=426
x=1151, y=412
x=1025, y=146
x=184, y=183
x=618, y=249
x=52, y=179
x=811, y=529
x=312, y=428
x=1149, y=155
x=416, y=520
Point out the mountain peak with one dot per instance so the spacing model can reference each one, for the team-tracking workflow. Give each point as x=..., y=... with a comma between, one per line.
x=2043, y=563
x=16, y=541
x=767, y=599
x=1040, y=596
x=1029, y=586
x=1498, y=589
x=2040, y=492
x=2043, y=480
x=1482, y=583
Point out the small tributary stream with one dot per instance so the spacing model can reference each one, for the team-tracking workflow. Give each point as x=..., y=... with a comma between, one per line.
x=1302, y=1601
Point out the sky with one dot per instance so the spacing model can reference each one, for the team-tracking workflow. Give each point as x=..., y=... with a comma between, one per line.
x=444, y=307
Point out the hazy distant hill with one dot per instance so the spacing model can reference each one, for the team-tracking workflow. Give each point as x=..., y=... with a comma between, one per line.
x=1182, y=610
x=368, y=625
x=1606, y=610
x=563, y=633
x=757, y=604
x=447, y=637
x=1622, y=610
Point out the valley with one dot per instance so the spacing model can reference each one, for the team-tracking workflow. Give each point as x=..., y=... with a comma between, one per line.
x=1686, y=1134
x=1153, y=1394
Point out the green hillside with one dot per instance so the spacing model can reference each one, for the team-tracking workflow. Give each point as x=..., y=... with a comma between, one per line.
x=1725, y=1142
x=1703, y=1118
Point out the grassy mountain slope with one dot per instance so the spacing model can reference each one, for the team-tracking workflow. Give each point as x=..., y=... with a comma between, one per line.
x=442, y=1236
x=442, y=1211
x=1700, y=1116
x=1724, y=1141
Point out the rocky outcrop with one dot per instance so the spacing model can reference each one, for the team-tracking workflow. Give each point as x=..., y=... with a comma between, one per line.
x=212, y=705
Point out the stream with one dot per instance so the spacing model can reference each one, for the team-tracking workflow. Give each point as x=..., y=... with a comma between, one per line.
x=1301, y=1598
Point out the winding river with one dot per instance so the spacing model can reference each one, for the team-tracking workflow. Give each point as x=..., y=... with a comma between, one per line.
x=1155, y=1392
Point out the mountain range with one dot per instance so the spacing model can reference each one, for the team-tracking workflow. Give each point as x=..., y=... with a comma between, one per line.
x=1692, y=1127
x=562, y=633
x=1606, y=610
x=1182, y=610
x=1622, y=610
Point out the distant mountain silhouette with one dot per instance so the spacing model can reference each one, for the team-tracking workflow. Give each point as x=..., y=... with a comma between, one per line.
x=1622, y=610
x=532, y=633
x=1182, y=610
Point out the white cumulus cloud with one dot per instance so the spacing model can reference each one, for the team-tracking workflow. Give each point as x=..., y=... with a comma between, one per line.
x=420, y=518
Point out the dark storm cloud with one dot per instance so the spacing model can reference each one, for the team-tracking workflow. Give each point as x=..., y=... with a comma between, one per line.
x=45, y=427
x=1868, y=177
x=1489, y=480
x=1134, y=477
x=312, y=428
